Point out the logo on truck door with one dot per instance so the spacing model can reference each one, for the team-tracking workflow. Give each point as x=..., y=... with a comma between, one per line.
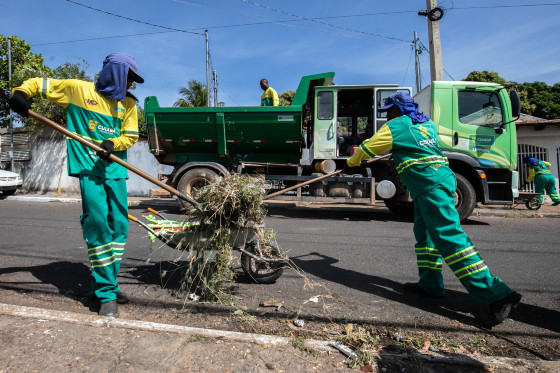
x=285, y=118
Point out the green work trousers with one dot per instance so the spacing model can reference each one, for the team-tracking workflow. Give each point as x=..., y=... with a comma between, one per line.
x=438, y=234
x=548, y=183
x=105, y=228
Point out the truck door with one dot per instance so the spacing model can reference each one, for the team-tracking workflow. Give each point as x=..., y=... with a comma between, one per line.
x=478, y=116
x=380, y=95
x=324, y=132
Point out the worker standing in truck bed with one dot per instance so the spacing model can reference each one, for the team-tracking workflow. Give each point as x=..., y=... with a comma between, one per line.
x=269, y=96
x=412, y=138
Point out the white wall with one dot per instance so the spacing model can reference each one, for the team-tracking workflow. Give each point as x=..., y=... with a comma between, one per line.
x=549, y=138
x=47, y=170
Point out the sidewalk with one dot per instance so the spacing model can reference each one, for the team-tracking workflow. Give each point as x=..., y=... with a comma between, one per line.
x=35, y=339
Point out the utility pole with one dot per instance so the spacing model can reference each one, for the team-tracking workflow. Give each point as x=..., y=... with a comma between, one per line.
x=434, y=14
x=207, y=70
x=417, y=64
x=11, y=114
x=215, y=79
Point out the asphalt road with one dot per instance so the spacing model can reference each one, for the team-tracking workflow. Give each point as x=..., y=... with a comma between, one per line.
x=354, y=263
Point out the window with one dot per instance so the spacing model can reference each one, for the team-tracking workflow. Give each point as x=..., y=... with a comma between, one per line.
x=325, y=105
x=479, y=108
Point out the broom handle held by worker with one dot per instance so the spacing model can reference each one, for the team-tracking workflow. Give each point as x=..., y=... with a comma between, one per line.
x=321, y=178
x=115, y=159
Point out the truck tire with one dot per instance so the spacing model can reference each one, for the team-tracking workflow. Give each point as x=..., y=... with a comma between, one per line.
x=261, y=272
x=403, y=210
x=465, y=197
x=193, y=179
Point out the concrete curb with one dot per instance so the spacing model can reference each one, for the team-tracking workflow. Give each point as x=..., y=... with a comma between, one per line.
x=99, y=321
x=465, y=360
x=173, y=203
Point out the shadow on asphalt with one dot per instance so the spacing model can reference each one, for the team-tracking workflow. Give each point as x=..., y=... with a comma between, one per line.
x=454, y=306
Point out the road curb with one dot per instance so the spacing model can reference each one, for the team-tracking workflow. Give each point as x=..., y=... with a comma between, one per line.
x=468, y=360
x=99, y=321
x=174, y=203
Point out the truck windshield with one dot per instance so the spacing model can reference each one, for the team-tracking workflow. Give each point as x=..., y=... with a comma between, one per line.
x=479, y=108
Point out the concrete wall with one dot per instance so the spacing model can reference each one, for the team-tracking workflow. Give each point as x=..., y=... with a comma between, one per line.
x=47, y=171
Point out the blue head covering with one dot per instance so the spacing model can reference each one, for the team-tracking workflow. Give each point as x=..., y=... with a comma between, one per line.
x=406, y=105
x=112, y=78
x=530, y=160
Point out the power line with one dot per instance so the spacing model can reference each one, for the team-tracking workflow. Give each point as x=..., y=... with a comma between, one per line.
x=323, y=23
x=134, y=20
x=102, y=38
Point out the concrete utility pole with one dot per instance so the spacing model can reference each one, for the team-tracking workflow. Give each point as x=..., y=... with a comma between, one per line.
x=436, y=65
x=215, y=79
x=207, y=70
x=417, y=64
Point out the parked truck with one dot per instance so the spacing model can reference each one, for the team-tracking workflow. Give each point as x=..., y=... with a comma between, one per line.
x=324, y=126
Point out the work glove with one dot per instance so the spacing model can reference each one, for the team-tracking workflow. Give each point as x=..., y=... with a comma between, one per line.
x=107, y=146
x=18, y=103
x=349, y=169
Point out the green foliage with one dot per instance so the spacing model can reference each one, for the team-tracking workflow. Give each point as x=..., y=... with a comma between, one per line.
x=24, y=65
x=142, y=126
x=286, y=98
x=194, y=95
x=537, y=98
x=485, y=76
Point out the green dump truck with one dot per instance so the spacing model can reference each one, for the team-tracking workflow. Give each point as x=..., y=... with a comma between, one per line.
x=324, y=126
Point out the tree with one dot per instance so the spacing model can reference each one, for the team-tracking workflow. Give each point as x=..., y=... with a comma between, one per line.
x=485, y=76
x=195, y=95
x=25, y=65
x=537, y=98
x=286, y=98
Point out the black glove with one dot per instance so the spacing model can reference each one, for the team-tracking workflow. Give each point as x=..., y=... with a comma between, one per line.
x=108, y=147
x=18, y=103
x=349, y=170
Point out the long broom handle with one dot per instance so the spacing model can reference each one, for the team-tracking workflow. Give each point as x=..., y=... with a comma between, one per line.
x=115, y=159
x=320, y=178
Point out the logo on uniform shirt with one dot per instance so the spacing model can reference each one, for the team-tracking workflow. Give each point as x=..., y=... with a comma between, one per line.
x=91, y=102
x=121, y=110
x=92, y=124
x=423, y=135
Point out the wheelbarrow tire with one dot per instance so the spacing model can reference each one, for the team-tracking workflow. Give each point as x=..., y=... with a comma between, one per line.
x=533, y=204
x=261, y=272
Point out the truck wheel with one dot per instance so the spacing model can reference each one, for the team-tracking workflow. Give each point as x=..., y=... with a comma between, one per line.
x=195, y=178
x=262, y=272
x=465, y=197
x=403, y=210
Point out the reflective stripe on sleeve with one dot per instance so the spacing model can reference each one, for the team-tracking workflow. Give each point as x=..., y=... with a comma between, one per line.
x=45, y=88
x=366, y=150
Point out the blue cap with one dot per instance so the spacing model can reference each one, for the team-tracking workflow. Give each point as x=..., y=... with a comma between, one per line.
x=530, y=160
x=399, y=99
x=124, y=59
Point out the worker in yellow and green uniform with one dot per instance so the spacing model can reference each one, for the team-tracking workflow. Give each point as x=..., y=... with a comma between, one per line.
x=544, y=180
x=412, y=138
x=269, y=96
x=104, y=113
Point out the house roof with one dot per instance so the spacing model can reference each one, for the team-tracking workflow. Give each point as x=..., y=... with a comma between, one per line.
x=529, y=120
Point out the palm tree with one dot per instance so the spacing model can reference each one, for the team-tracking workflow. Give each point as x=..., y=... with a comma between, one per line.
x=192, y=96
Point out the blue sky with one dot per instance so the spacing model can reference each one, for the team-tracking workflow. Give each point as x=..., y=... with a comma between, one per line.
x=363, y=42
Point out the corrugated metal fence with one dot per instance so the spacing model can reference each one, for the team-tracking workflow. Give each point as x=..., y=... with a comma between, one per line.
x=22, y=148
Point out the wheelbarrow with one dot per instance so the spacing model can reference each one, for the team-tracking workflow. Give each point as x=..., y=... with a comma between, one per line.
x=531, y=200
x=264, y=263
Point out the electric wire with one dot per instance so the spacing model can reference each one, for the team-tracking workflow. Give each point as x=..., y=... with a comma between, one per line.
x=324, y=23
x=132, y=19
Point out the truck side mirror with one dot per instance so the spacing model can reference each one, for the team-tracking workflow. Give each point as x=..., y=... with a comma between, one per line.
x=515, y=103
